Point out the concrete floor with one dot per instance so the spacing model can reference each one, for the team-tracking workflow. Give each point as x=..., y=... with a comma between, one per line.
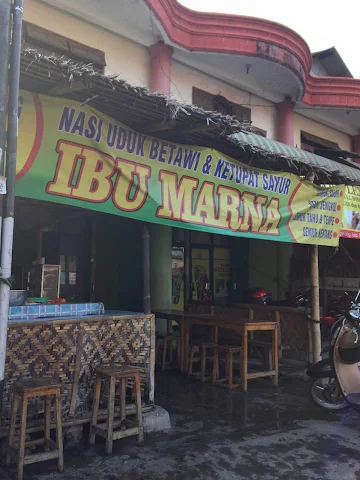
x=268, y=433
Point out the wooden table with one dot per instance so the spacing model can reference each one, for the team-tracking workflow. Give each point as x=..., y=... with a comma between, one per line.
x=226, y=320
x=242, y=326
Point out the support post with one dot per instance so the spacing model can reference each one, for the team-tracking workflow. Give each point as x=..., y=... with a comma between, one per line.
x=315, y=303
x=187, y=253
x=160, y=67
x=8, y=223
x=93, y=259
x=315, y=298
x=285, y=122
x=356, y=146
x=146, y=263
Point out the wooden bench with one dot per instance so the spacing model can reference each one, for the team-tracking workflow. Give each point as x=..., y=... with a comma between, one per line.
x=203, y=346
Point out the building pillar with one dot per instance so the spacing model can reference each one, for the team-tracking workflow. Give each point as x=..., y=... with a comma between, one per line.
x=160, y=235
x=160, y=66
x=356, y=146
x=285, y=134
x=160, y=269
x=285, y=122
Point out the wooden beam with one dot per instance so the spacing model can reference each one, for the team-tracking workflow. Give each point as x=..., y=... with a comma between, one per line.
x=154, y=127
x=172, y=127
x=196, y=128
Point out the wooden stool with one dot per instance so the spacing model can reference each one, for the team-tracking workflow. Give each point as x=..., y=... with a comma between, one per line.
x=167, y=341
x=227, y=381
x=25, y=390
x=203, y=346
x=127, y=428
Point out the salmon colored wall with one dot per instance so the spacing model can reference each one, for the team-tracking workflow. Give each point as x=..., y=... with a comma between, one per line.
x=123, y=57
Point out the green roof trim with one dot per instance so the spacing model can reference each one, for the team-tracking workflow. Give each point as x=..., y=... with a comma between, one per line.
x=347, y=171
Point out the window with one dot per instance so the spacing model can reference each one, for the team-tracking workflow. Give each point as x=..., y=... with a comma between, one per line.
x=312, y=143
x=47, y=42
x=207, y=101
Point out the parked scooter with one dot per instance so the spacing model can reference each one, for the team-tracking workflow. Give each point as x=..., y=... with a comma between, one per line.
x=335, y=381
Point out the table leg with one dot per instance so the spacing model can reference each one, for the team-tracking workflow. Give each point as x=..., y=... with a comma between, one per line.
x=110, y=419
x=14, y=408
x=47, y=421
x=244, y=359
x=123, y=402
x=216, y=334
x=275, y=355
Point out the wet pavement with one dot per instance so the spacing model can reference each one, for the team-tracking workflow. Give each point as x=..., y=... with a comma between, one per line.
x=269, y=433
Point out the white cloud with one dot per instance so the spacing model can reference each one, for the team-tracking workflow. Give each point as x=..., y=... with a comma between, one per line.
x=322, y=23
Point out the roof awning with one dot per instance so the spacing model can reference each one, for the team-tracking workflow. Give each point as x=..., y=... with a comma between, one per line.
x=169, y=119
x=348, y=171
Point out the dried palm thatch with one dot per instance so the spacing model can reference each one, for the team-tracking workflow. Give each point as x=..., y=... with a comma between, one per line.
x=166, y=117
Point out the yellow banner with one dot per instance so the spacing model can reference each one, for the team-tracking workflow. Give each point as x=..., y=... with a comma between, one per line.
x=73, y=154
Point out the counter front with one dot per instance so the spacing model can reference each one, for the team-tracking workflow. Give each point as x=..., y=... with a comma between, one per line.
x=69, y=350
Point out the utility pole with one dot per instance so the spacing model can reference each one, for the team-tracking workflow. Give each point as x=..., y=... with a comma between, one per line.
x=5, y=28
x=11, y=153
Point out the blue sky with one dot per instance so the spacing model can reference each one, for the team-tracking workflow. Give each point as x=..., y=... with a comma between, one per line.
x=322, y=23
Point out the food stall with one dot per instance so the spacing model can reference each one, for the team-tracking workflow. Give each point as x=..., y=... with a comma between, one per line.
x=69, y=345
x=69, y=315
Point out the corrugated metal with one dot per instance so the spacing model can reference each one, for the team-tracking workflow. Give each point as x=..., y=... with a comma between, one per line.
x=350, y=171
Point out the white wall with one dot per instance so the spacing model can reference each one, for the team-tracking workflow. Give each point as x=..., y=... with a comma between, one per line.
x=304, y=124
x=184, y=78
x=124, y=57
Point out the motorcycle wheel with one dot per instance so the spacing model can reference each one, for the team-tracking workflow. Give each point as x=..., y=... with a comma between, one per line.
x=325, y=393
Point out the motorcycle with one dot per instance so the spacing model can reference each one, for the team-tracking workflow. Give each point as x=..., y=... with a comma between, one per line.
x=260, y=296
x=334, y=382
x=340, y=305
